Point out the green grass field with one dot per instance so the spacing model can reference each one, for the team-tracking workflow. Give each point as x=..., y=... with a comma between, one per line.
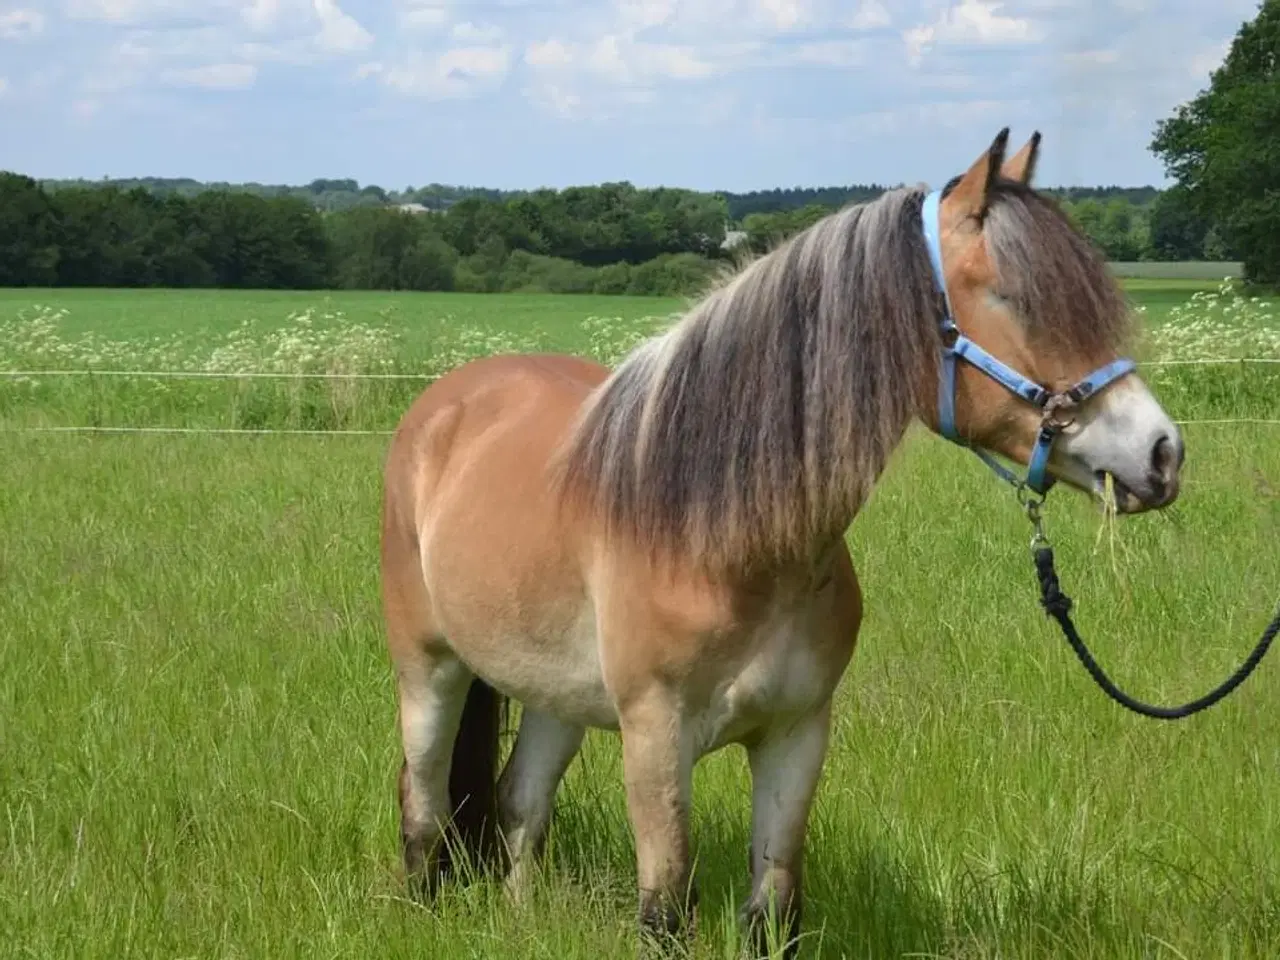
x=198, y=732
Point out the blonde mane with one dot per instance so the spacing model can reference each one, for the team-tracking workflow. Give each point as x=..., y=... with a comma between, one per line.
x=756, y=426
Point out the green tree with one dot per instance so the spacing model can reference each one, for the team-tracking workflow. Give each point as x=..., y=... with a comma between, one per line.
x=389, y=250
x=1223, y=149
x=28, y=234
x=255, y=243
x=1178, y=230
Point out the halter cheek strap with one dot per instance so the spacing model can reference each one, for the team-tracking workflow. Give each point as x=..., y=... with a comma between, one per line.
x=956, y=346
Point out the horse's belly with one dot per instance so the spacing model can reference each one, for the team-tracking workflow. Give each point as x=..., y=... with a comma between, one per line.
x=544, y=659
x=558, y=671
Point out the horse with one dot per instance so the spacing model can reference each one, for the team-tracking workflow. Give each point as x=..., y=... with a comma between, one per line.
x=658, y=549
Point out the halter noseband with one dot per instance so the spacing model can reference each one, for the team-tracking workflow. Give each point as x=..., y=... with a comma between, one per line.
x=955, y=345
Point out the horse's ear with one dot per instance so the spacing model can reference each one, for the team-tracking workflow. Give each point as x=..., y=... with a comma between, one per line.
x=1022, y=165
x=972, y=193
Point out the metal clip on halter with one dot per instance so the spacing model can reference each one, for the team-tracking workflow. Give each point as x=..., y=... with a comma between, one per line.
x=1038, y=539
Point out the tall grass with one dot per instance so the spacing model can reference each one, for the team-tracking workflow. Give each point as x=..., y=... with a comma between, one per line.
x=1219, y=324
x=326, y=345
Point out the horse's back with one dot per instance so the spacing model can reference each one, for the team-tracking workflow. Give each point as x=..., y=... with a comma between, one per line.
x=533, y=396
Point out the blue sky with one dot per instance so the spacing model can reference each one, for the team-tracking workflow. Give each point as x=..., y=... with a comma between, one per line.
x=732, y=94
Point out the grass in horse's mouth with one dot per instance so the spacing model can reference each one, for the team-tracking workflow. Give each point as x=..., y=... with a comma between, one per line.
x=1110, y=489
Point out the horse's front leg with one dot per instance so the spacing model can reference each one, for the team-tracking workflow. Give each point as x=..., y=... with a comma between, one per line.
x=657, y=764
x=785, y=767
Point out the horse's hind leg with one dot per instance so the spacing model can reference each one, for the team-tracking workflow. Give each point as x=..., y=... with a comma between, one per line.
x=544, y=748
x=785, y=767
x=433, y=692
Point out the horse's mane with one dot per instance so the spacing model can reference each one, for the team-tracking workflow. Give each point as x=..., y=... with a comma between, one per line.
x=756, y=426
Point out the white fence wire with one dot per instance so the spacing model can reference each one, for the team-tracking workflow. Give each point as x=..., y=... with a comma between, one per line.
x=285, y=375
x=421, y=377
x=213, y=375
x=215, y=431
x=284, y=432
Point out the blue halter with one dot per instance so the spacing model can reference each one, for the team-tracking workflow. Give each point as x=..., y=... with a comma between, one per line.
x=957, y=346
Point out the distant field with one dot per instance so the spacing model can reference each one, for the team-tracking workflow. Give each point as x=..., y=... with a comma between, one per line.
x=1191, y=270
x=198, y=731
x=207, y=314
x=135, y=314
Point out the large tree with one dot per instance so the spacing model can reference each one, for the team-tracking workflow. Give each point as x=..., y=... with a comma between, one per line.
x=1223, y=147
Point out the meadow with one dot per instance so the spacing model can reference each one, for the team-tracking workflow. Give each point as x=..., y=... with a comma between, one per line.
x=198, y=732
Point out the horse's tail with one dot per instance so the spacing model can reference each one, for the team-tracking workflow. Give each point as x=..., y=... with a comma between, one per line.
x=473, y=776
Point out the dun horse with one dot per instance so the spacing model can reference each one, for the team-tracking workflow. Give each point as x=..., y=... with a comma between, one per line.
x=659, y=549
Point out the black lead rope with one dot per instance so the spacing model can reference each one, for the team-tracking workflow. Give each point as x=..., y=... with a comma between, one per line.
x=1058, y=605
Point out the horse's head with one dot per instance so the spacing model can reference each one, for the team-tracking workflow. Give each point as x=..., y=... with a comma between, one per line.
x=1035, y=314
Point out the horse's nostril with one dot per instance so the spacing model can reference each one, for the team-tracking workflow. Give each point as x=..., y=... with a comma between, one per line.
x=1166, y=458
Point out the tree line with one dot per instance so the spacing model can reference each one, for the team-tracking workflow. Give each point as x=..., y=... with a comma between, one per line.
x=1125, y=224
x=331, y=195
x=610, y=238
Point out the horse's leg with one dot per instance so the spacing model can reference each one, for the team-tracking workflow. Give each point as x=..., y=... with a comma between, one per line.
x=785, y=767
x=543, y=750
x=433, y=691
x=657, y=759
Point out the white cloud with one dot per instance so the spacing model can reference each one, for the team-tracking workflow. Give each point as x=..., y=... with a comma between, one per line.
x=615, y=72
x=424, y=14
x=971, y=23
x=454, y=74
x=620, y=60
x=211, y=44
x=620, y=47
x=854, y=127
x=782, y=14
x=468, y=32
x=597, y=103
x=1102, y=56
x=555, y=99
x=828, y=53
x=553, y=54
x=112, y=11
x=261, y=15
x=213, y=76
x=710, y=21
x=645, y=14
x=870, y=15
x=4, y=87
x=20, y=24
x=321, y=25
x=146, y=12
x=339, y=31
